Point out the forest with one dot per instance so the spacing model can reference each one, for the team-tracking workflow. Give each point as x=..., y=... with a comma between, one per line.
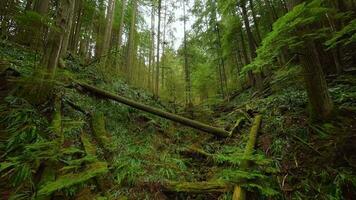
x=177, y=99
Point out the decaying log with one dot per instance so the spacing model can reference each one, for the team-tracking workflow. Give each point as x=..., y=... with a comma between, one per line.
x=176, y=118
x=198, y=187
x=239, y=193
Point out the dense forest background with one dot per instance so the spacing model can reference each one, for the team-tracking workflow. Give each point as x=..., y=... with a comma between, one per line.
x=284, y=69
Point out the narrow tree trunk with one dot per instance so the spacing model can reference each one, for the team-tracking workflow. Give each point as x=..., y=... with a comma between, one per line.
x=251, y=39
x=131, y=45
x=320, y=101
x=76, y=28
x=68, y=30
x=158, y=45
x=120, y=33
x=188, y=96
x=258, y=33
x=321, y=105
x=108, y=31
x=244, y=48
x=55, y=39
x=99, y=29
x=163, y=43
x=151, y=52
x=37, y=38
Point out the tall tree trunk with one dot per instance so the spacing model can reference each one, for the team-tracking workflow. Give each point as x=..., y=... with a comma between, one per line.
x=158, y=45
x=108, y=31
x=67, y=30
x=53, y=46
x=76, y=27
x=151, y=58
x=99, y=29
x=40, y=30
x=251, y=39
x=131, y=44
x=319, y=98
x=321, y=105
x=258, y=33
x=164, y=42
x=188, y=93
x=120, y=32
x=244, y=48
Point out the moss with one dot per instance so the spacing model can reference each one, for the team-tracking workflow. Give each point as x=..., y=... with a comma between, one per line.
x=69, y=180
x=198, y=187
x=89, y=148
x=100, y=133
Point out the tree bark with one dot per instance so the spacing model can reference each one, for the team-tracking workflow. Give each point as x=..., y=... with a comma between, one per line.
x=108, y=31
x=188, y=93
x=68, y=29
x=321, y=105
x=99, y=29
x=151, y=52
x=185, y=121
x=120, y=33
x=131, y=44
x=37, y=38
x=76, y=27
x=258, y=33
x=158, y=45
x=55, y=39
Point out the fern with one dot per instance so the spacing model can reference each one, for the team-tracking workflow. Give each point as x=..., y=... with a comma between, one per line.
x=343, y=37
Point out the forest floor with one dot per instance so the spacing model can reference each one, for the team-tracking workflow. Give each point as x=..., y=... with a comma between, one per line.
x=106, y=150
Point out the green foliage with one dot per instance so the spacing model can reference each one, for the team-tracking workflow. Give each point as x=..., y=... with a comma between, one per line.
x=31, y=19
x=290, y=31
x=345, y=36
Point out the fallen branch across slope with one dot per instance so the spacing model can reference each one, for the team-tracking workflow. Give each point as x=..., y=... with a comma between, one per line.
x=83, y=87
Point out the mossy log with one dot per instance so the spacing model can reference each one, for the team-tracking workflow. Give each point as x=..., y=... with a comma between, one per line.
x=198, y=187
x=99, y=131
x=170, y=116
x=240, y=193
x=68, y=180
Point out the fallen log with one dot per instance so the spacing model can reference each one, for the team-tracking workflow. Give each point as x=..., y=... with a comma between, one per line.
x=198, y=187
x=176, y=118
x=239, y=193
